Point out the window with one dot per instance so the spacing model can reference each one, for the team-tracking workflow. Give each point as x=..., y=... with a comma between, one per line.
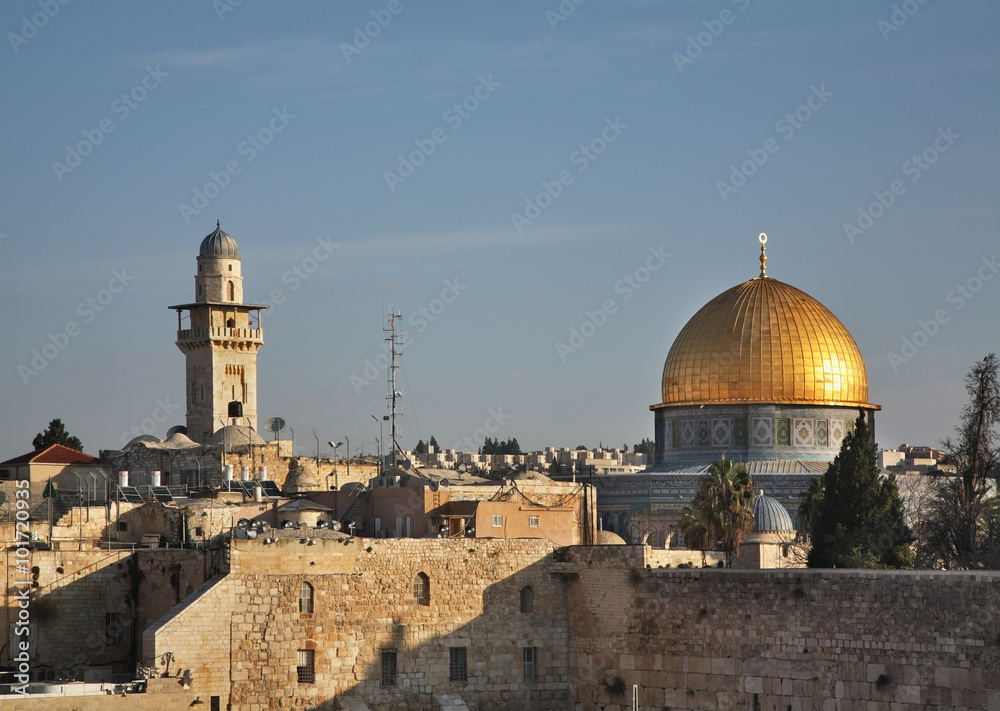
x=422, y=589
x=497, y=520
x=388, y=667
x=198, y=531
x=457, y=668
x=529, y=663
x=123, y=525
x=306, y=598
x=214, y=703
x=230, y=267
x=114, y=629
x=533, y=521
x=527, y=599
x=232, y=291
x=306, y=670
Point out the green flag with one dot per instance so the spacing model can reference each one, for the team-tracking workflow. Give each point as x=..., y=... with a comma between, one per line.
x=50, y=491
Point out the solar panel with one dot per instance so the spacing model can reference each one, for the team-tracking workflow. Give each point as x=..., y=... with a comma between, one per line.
x=235, y=486
x=270, y=489
x=162, y=494
x=130, y=494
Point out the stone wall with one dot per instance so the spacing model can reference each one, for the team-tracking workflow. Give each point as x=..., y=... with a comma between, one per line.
x=363, y=603
x=777, y=640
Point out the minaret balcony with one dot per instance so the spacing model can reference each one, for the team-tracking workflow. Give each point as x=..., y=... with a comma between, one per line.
x=213, y=332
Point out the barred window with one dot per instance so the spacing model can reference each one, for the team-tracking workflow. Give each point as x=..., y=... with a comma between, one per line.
x=497, y=520
x=388, y=667
x=457, y=667
x=306, y=598
x=530, y=656
x=306, y=670
x=533, y=522
x=422, y=589
x=114, y=629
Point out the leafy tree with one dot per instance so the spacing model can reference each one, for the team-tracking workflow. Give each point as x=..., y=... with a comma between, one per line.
x=647, y=447
x=421, y=448
x=961, y=528
x=554, y=468
x=809, y=507
x=434, y=443
x=858, y=520
x=722, y=510
x=495, y=446
x=56, y=434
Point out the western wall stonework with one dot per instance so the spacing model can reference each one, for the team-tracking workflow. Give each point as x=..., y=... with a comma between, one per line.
x=844, y=640
x=841, y=640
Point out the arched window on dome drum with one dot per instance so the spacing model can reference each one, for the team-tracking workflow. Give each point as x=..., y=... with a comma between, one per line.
x=527, y=600
x=232, y=292
x=422, y=589
x=306, y=598
x=231, y=323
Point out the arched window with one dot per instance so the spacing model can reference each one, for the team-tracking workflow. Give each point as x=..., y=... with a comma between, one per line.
x=306, y=598
x=527, y=600
x=231, y=323
x=232, y=292
x=422, y=589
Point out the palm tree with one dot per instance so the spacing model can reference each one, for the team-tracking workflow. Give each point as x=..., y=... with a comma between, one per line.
x=722, y=510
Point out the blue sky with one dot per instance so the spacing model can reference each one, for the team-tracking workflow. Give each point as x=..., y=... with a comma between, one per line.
x=632, y=114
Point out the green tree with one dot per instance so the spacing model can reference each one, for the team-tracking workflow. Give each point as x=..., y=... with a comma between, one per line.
x=421, y=448
x=554, y=468
x=858, y=520
x=721, y=512
x=647, y=447
x=434, y=443
x=961, y=530
x=811, y=499
x=56, y=434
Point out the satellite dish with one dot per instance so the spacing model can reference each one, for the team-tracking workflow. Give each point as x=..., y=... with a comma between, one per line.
x=433, y=486
x=243, y=524
x=177, y=429
x=335, y=526
x=444, y=483
x=462, y=468
x=241, y=534
x=406, y=464
x=274, y=424
x=251, y=534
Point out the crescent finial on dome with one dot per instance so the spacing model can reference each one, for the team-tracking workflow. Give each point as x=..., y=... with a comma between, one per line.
x=763, y=256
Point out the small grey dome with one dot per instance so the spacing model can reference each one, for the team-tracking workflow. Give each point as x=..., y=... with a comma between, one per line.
x=219, y=245
x=769, y=515
x=608, y=538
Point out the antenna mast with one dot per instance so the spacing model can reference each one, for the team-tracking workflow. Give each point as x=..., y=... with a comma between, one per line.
x=395, y=350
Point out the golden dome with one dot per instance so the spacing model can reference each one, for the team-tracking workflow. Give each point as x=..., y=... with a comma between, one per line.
x=765, y=342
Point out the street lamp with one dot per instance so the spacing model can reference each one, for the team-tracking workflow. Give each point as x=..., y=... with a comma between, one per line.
x=348, y=457
x=336, y=480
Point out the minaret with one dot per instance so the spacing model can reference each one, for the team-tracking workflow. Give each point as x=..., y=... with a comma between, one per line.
x=219, y=335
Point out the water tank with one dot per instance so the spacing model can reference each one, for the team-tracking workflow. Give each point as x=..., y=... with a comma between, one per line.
x=262, y=473
x=155, y=479
x=122, y=478
x=228, y=472
x=245, y=473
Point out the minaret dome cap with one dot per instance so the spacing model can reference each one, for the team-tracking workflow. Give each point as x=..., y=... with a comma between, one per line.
x=218, y=245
